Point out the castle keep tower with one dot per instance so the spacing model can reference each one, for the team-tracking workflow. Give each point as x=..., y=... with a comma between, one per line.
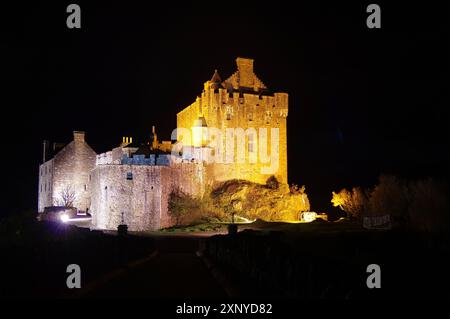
x=244, y=104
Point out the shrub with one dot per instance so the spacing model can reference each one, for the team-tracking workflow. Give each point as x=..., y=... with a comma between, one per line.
x=429, y=205
x=183, y=208
x=423, y=204
x=272, y=182
x=354, y=202
x=390, y=196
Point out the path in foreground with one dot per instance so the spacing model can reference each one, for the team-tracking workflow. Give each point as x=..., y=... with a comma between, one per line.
x=175, y=272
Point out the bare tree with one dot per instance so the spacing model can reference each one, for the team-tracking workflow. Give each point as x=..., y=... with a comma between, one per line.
x=68, y=196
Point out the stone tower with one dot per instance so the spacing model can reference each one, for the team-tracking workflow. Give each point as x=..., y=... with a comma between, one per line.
x=245, y=105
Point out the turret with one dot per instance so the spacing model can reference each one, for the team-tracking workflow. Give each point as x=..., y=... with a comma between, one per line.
x=200, y=132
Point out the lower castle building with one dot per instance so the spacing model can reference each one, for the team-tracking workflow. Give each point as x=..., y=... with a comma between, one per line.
x=130, y=185
x=236, y=129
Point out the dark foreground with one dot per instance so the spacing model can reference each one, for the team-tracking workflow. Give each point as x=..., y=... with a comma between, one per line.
x=173, y=271
x=275, y=261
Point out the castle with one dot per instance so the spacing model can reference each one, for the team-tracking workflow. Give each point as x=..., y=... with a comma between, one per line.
x=236, y=129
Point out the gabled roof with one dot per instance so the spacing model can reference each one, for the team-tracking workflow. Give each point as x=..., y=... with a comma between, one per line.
x=216, y=77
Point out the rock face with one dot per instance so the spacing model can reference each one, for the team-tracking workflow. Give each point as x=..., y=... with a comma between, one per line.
x=258, y=201
x=67, y=174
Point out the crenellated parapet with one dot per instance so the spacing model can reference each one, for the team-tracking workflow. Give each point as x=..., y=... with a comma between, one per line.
x=244, y=102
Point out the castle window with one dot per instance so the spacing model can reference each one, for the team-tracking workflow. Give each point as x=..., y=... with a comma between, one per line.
x=129, y=176
x=251, y=143
x=250, y=116
x=268, y=117
x=229, y=111
x=85, y=187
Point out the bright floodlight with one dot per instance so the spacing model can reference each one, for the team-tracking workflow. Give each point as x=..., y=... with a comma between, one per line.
x=308, y=217
x=64, y=218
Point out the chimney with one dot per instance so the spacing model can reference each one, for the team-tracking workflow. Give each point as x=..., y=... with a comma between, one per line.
x=245, y=69
x=78, y=136
x=44, y=151
x=155, y=138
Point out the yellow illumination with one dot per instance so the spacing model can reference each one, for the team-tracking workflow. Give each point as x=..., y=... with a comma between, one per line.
x=199, y=133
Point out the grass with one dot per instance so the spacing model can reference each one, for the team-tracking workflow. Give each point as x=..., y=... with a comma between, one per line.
x=205, y=227
x=316, y=227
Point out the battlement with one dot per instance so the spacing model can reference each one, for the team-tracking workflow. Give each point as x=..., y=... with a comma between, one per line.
x=223, y=96
x=153, y=159
x=242, y=101
x=108, y=158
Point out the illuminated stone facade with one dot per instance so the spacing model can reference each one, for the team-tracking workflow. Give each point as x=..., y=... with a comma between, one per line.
x=132, y=182
x=133, y=188
x=242, y=101
x=68, y=171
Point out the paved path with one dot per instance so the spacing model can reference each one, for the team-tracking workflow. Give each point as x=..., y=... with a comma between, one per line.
x=175, y=272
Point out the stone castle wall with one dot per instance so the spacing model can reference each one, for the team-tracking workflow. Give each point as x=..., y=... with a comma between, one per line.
x=45, y=188
x=120, y=184
x=223, y=107
x=137, y=196
x=68, y=170
x=140, y=192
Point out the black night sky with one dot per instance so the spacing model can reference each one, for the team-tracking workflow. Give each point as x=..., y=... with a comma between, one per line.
x=362, y=102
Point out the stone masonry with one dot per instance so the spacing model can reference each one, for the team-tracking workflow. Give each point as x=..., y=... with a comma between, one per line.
x=67, y=171
x=132, y=183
